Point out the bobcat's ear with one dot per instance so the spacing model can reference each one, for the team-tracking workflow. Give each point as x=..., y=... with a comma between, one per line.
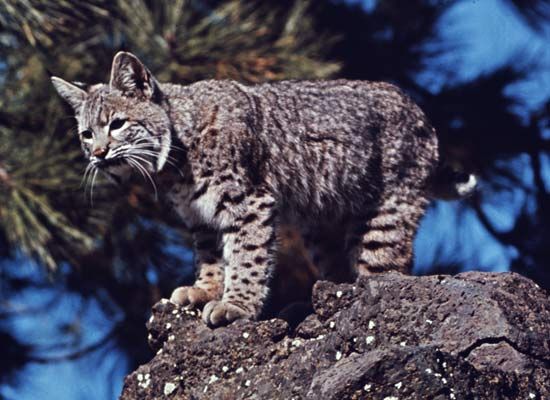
x=131, y=77
x=72, y=94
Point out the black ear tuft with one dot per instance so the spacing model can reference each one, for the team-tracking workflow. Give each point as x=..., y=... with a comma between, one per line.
x=131, y=77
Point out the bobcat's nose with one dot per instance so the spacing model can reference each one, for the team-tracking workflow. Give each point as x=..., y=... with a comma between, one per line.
x=100, y=152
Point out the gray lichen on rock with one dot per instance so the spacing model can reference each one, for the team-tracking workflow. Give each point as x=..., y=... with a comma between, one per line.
x=473, y=335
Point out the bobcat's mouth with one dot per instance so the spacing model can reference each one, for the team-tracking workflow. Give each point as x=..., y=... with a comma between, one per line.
x=116, y=168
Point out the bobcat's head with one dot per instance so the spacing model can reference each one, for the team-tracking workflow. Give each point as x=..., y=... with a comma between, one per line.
x=122, y=126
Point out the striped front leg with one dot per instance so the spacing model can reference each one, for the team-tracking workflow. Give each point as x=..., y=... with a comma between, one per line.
x=248, y=253
x=209, y=265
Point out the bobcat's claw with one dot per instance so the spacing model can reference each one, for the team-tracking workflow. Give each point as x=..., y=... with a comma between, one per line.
x=218, y=313
x=190, y=296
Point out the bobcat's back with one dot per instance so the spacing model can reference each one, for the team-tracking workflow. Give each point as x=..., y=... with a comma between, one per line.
x=320, y=145
x=340, y=144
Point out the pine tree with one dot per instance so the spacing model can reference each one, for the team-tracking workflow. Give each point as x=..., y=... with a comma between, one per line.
x=43, y=211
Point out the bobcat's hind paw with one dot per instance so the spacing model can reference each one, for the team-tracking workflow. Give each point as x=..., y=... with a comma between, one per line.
x=219, y=313
x=191, y=296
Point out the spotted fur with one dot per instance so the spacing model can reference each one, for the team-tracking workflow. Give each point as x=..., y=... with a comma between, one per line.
x=351, y=164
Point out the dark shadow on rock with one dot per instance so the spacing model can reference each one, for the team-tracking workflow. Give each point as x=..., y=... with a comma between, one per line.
x=295, y=313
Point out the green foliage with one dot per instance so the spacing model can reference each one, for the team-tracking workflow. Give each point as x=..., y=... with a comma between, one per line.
x=43, y=209
x=35, y=184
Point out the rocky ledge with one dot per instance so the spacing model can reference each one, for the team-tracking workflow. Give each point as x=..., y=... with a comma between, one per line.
x=470, y=336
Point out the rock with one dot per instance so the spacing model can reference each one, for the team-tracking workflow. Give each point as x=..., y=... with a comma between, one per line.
x=391, y=336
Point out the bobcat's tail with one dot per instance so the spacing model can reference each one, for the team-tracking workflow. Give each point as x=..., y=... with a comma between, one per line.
x=449, y=183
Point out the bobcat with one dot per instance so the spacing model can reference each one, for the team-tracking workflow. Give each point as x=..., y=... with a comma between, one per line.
x=351, y=164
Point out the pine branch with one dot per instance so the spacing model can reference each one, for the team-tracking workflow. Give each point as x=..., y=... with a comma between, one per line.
x=43, y=212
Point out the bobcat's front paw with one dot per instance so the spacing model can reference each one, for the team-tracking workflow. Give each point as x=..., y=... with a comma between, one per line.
x=191, y=296
x=220, y=312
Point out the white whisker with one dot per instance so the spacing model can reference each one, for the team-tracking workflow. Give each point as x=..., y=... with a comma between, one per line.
x=85, y=175
x=152, y=153
x=135, y=156
x=89, y=175
x=169, y=160
x=144, y=171
x=135, y=166
x=96, y=170
x=147, y=149
x=140, y=155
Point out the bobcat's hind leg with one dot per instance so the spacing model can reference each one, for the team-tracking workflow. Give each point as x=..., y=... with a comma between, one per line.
x=382, y=240
x=210, y=274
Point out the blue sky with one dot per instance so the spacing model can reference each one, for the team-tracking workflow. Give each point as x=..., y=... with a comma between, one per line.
x=490, y=34
x=86, y=378
x=487, y=35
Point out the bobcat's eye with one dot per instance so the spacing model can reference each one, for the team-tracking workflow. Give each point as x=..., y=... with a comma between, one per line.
x=116, y=124
x=87, y=134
